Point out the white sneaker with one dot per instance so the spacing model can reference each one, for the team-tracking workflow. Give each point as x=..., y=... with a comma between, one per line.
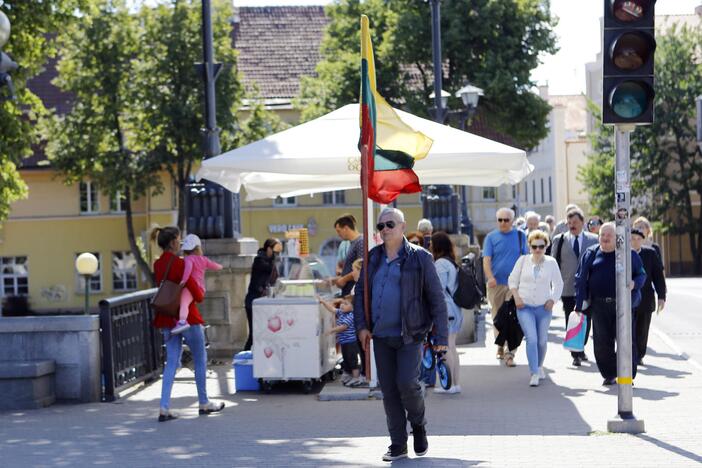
x=440, y=389
x=345, y=377
x=534, y=381
x=454, y=389
x=542, y=374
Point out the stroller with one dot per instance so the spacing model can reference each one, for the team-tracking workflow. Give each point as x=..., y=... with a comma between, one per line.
x=435, y=359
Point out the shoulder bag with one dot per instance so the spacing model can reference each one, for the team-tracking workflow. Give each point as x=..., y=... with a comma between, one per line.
x=166, y=301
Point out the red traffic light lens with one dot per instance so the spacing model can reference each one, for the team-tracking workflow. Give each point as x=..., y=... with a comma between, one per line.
x=628, y=11
x=630, y=99
x=631, y=50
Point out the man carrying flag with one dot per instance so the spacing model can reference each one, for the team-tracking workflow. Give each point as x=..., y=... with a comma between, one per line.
x=399, y=298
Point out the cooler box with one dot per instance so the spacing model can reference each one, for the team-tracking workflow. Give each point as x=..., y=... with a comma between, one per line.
x=243, y=372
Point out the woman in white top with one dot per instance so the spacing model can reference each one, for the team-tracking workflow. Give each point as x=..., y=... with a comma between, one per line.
x=536, y=285
x=442, y=251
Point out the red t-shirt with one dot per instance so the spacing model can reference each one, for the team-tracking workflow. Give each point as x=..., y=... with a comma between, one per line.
x=175, y=274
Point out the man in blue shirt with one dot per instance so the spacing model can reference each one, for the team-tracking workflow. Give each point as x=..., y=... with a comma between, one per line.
x=596, y=283
x=406, y=300
x=501, y=250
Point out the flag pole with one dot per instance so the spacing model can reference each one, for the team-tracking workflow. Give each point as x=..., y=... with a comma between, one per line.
x=366, y=236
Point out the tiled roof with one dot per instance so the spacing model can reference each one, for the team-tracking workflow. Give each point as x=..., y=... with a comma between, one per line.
x=277, y=46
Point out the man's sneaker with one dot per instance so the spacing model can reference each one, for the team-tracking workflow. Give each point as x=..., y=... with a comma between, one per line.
x=395, y=452
x=421, y=444
x=440, y=389
x=345, y=377
x=357, y=382
x=610, y=381
x=180, y=327
x=534, y=380
x=542, y=374
x=454, y=389
x=577, y=361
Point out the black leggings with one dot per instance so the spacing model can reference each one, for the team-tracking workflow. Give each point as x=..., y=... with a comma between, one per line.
x=248, y=305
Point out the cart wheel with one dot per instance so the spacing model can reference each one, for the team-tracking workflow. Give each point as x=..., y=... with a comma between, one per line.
x=266, y=386
x=307, y=386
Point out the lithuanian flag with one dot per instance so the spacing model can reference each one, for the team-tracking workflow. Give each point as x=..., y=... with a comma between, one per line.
x=389, y=147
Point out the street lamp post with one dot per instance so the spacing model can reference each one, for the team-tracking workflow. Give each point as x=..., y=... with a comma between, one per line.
x=87, y=265
x=698, y=101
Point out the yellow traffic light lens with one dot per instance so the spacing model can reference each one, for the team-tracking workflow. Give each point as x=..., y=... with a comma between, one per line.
x=631, y=50
x=629, y=10
x=630, y=99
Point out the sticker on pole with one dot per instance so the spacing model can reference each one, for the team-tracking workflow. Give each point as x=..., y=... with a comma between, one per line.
x=622, y=176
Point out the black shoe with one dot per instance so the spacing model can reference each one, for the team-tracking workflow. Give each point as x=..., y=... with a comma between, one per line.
x=395, y=452
x=583, y=357
x=421, y=444
x=212, y=407
x=577, y=361
x=610, y=381
x=166, y=417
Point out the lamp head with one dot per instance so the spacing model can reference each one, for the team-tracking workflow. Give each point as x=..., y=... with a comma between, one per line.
x=4, y=28
x=444, y=98
x=470, y=95
x=86, y=264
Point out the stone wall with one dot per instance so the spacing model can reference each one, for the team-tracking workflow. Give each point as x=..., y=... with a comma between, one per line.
x=73, y=342
x=223, y=307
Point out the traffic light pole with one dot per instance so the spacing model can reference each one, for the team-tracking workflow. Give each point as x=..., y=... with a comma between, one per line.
x=625, y=421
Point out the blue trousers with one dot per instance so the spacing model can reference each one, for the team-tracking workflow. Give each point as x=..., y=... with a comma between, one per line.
x=534, y=321
x=195, y=339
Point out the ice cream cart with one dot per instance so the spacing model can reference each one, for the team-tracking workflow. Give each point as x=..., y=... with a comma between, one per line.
x=290, y=340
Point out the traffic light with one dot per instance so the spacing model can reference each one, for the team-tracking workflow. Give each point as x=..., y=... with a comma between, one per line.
x=629, y=45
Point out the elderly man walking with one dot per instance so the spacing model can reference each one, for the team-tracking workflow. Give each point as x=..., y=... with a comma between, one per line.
x=406, y=301
x=501, y=250
x=568, y=248
x=595, y=282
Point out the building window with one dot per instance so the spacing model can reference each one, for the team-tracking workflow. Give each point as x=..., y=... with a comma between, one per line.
x=489, y=193
x=15, y=277
x=124, y=271
x=95, y=280
x=89, y=201
x=337, y=197
x=526, y=191
x=117, y=202
x=533, y=192
x=542, y=191
x=550, y=190
x=287, y=201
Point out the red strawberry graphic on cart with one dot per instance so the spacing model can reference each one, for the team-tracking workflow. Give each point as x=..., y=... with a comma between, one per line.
x=290, y=322
x=268, y=352
x=275, y=324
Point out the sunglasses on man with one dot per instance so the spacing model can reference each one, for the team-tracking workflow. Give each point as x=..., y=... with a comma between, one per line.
x=504, y=220
x=389, y=224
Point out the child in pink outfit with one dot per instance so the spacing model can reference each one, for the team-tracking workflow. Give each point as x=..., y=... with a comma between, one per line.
x=195, y=265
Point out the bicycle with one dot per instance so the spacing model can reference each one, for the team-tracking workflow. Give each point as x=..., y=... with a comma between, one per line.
x=436, y=359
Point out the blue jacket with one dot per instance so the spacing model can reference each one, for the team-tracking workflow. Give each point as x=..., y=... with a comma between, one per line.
x=423, y=303
x=582, y=290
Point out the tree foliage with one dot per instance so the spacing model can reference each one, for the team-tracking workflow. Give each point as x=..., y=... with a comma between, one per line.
x=30, y=45
x=493, y=44
x=665, y=160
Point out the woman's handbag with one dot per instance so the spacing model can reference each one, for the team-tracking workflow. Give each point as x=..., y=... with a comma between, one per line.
x=166, y=301
x=576, y=332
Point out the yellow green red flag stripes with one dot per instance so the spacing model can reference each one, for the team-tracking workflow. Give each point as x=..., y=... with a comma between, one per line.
x=389, y=147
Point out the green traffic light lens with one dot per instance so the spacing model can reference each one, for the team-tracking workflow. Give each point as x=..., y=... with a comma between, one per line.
x=630, y=99
x=631, y=50
x=628, y=11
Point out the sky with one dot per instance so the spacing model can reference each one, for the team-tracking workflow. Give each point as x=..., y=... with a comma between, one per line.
x=578, y=34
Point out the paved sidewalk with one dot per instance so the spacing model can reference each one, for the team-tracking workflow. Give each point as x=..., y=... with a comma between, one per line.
x=497, y=421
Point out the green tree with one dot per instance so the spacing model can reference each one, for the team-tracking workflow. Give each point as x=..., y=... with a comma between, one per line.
x=30, y=45
x=666, y=162
x=493, y=44
x=172, y=90
x=99, y=140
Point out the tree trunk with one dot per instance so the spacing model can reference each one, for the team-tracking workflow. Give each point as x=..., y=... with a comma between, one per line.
x=143, y=266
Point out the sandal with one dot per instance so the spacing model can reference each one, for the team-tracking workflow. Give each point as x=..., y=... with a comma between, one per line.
x=509, y=361
x=212, y=407
x=166, y=417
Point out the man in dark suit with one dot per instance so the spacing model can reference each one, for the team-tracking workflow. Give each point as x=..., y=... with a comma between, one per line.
x=655, y=279
x=568, y=248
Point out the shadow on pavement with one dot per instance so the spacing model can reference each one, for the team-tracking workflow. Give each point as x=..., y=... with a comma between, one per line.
x=671, y=448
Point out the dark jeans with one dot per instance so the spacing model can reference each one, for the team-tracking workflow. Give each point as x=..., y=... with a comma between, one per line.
x=643, y=323
x=398, y=373
x=568, y=306
x=248, y=305
x=604, y=318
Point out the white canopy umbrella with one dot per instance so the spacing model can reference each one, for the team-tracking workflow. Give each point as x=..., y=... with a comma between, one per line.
x=322, y=155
